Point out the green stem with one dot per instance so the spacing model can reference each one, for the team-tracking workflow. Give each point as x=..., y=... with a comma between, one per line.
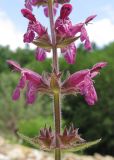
x=57, y=99
x=57, y=117
x=53, y=35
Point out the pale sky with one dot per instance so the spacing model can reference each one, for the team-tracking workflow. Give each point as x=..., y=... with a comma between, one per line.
x=13, y=25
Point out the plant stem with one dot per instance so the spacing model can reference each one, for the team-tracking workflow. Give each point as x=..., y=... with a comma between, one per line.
x=57, y=117
x=57, y=98
x=53, y=35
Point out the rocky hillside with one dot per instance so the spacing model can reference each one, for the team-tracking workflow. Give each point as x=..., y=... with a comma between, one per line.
x=18, y=152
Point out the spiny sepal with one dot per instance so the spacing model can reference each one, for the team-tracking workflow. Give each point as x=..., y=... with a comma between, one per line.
x=43, y=42
x=45, y=2
x=64, y=42
x=70, y=137
x=45, y=139
x=40, y=3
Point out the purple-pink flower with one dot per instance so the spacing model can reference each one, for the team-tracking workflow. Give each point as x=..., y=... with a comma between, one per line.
x=82, y=82
x=34, y=26
x=29, y=79
x=63, y=23
x=64, y=28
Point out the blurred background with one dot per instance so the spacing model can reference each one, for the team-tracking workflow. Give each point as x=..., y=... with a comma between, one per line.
x=94, y=122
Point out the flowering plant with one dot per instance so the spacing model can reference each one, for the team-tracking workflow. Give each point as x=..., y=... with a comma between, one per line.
x=63, y=36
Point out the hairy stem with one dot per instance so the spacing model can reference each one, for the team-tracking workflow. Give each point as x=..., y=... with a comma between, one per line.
x=57, y=117
x=53, y=35
x=57, y=99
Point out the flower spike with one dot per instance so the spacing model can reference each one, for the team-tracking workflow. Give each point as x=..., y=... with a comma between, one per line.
x=63, y=36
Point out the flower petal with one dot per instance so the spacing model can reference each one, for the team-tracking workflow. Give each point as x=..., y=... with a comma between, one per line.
x=76, y=28
x=14, y=65
x=96, y=68
x=88, y=91
x=88, y=45
x=28, y=4
x=22, y=82
x=90, y=18
x=31, y=93
x=28, y=14
x=16, y=94
x=40, y=54
x=69, y=53
x=65, y=11
x=29, y=36
x=76, y=78
x=84, y=34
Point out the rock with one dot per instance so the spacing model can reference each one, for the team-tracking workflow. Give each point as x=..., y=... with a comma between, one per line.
x=2, y=157
x=98, y=157
x=109, y=158
x=16, y=153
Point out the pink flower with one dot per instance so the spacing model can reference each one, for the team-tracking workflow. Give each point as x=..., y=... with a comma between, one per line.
x=64, y=28
x=40, y=54
x=33, y=80
x=82, y=82
x=33, y=27
x=69, y=53
x=63, y=24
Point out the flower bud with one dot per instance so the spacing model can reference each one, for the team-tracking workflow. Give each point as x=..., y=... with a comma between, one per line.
x=65, y=11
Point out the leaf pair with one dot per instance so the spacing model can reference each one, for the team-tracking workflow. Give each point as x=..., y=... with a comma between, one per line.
x=75, y=148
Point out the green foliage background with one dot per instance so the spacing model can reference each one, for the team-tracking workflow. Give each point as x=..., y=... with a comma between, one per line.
x=94, y=122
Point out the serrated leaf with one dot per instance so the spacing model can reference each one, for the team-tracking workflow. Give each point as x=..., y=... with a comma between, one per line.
x=28, y=139
x=83, y=146
x=65, y=42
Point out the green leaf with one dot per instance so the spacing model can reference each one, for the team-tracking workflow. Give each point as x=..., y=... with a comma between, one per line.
x=42, y=44
x=83, y=146
x=28, y=139
x=65, y=42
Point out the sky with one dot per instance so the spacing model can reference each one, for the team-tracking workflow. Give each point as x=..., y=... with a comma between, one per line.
x=13, y=25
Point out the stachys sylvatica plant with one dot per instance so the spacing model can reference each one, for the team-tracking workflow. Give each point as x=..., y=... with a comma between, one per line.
x=63, y=36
